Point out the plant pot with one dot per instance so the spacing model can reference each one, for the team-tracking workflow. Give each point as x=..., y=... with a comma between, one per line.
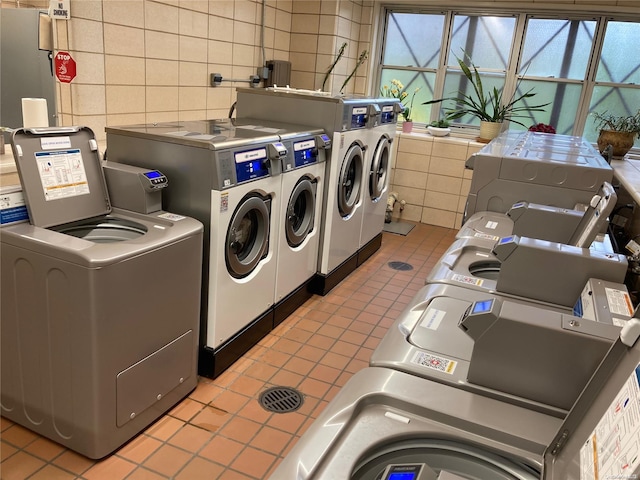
x=438, y=132
x=620, y=141
x=407, y=127
x=489, y=130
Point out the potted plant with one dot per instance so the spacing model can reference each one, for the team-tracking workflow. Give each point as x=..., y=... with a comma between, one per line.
x=398, y=90
x=439, y=128
x=619, y=131
x=490, y=107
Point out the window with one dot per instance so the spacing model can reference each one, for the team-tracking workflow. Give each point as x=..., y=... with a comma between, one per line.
x=575, y=63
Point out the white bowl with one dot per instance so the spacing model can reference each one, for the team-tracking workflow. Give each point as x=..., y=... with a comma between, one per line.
x=438, y=132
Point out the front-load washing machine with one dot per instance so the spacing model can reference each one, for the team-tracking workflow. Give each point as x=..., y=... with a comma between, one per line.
x=228, y=176
x=100, y=307
x=386, y=425
x=382, y=418
x=557, y=170
x=300, y=224
x=539, y=270
x=509, y=349
x=377, y=175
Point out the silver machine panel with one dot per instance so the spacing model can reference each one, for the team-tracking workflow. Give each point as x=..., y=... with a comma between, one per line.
x=556, y=170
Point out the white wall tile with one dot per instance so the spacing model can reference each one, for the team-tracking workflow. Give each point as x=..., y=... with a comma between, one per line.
x=304, y=23
x=161, y=99
x=195, y=24
x=161, y=17
x=120, y=40
x=446, y=166
x=440, y=183
x=88, y=99
x=420, y=146
x=441, y=201
x=87, y=9
x=129, y=12
x=192, y=98
x=245, y=11
x=411, y=213
x=220, y=28
x=86, y=36
x=437, y=217
x=193, y=49
x=193, y=74
x=161, y=72
x=90, y=68
x=410, y=178
x=163, y=46
x=120, y=70
x=449, y=149
x=125, y=99
x=220, y=52
x=221, y=8
x=413, y=161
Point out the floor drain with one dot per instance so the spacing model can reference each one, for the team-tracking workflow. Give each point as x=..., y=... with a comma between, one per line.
x=281, y=399
x=400, y=266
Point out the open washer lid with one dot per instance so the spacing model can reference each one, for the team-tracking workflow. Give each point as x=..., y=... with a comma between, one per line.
x=61, y=174
x=600, y=438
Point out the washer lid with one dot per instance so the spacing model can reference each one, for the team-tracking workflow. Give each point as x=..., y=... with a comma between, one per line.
x=61, y=174
x=600, y=438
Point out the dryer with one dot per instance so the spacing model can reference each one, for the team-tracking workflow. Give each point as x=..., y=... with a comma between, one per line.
x=377, y=175
x=100, y=306
x=346, y=119
x=300, y=224
x=227, y=175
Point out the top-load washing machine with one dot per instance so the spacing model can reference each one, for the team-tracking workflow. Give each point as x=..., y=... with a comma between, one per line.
x=540, y=270
x=377, y=175
x=387, y=425
x=346, y=120
x=100, y=306
x=510, y=349
x=556, y=170
x=228, y=176
x=301, y=201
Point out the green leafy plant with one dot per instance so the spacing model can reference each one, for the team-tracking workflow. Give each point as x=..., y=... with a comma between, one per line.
x=487, y=105
x=398, y=90
x=618, y=123
x=441, y=123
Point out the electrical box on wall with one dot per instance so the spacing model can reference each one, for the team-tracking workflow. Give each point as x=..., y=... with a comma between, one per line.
x=279, y=73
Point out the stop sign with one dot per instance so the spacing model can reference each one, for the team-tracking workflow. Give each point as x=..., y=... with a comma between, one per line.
x=65, y=67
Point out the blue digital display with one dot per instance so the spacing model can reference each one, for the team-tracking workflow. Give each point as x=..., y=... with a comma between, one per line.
x=325, y=137
x=251, y=165
x=359, y=120
x=154, y=174
x=387, y=117
x=304, y=157
x=402, y=476
x=505, y=240
x=482, y=307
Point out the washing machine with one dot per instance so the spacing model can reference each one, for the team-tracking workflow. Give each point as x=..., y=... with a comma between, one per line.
x=510, y=349
x=557, y=170
x=346, y=119
x=540, y=270
x=227, y=174
x=303, y=170
x=377, y=175
x=100, y=306
x=387, y=425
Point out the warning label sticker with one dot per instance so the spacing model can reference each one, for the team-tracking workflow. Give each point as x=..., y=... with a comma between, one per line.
x=431, y=318
x=613, y=449
x=224, y=201
x=619, y=302
x=62, y=174
x=434, y=362
x=491, y=225
x=486, y=236
x=467, y=280
x=172, y=216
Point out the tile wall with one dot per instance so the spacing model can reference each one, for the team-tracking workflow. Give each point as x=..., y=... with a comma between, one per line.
x=429, y=175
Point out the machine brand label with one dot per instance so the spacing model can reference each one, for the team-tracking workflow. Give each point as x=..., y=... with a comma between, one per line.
x=359, y=110
x=612, y=450
x=251, y=155
x=467, y=280
x=434, y=362
x=431, y=318
x=304, y=145
x=387, y=108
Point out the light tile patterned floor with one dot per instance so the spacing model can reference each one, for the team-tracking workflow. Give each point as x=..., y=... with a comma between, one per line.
x=220, y=431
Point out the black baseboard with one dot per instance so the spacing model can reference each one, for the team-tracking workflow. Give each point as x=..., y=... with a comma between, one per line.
x=322, y=284
x=291, y=302
x=369, y=248
x=212, y=362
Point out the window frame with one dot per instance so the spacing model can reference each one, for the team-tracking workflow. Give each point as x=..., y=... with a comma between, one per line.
x=512, y=73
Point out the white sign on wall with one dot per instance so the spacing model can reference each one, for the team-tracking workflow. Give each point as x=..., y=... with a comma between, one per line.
x=60, y=9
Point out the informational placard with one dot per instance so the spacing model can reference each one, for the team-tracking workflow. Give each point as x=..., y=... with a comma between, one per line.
x=613, y=449
x=62, y=174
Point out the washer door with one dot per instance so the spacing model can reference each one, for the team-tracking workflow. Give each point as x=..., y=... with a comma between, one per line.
x=350, y=180
x=379, y=168
x=247, y=239
x=300, y=217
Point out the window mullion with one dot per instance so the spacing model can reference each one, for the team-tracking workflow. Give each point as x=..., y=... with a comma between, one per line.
x=442, y=66
x=512, y=73
x=590, y=77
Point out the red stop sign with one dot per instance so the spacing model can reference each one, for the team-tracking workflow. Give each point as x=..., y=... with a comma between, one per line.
x=65, y=67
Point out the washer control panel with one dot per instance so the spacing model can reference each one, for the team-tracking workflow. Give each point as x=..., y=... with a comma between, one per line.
x=407, y=471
